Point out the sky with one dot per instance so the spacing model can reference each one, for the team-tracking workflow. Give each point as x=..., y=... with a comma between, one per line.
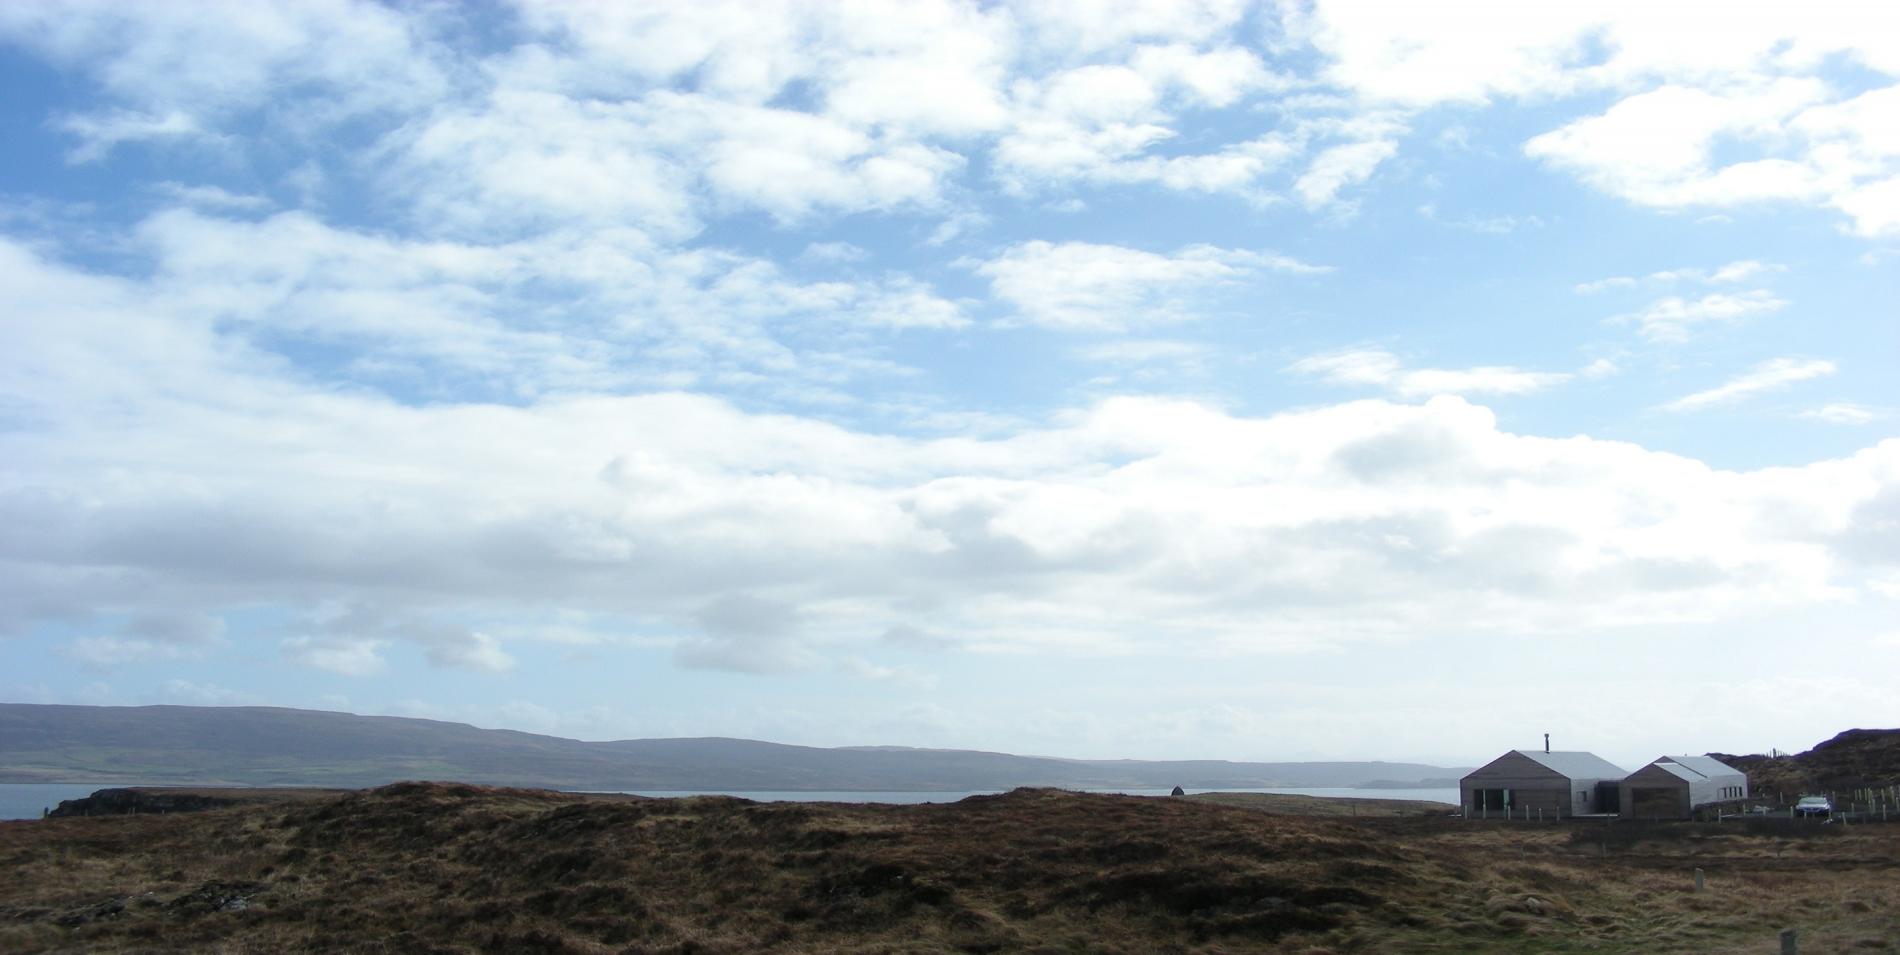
x=1181, y=379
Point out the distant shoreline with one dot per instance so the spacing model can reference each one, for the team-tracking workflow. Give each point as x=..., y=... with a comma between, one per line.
x=26, y=800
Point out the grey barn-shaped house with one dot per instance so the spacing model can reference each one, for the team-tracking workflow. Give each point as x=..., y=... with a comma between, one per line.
x=1674, y=787
x=1553, y=785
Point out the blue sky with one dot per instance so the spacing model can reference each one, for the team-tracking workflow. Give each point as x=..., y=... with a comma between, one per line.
x=1303, y=380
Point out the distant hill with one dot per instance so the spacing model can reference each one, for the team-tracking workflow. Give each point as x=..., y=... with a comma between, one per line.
x=1854, y=759
x=273, y=746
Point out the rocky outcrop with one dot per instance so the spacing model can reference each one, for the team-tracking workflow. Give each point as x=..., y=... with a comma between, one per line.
x=1854, y=759
x=132, y=802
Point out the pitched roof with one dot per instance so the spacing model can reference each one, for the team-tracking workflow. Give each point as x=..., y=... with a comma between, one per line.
x=1675, y=769
x=1576, y=765
x=1706, y=766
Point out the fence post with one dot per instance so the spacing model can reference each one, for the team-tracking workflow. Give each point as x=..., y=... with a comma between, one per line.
x=1788, y=942
x=1698, y=880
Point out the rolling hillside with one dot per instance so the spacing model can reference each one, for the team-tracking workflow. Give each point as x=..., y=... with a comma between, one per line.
x=270, y=746
x=1853, y=759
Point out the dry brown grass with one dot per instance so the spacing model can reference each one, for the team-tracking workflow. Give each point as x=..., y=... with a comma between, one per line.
x=452, y=868
x=1292, y=805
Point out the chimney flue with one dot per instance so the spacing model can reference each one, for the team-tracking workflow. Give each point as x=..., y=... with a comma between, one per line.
x=1546, y=742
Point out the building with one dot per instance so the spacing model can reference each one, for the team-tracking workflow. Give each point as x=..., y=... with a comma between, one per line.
x=1541, y=784
x=1674, y=787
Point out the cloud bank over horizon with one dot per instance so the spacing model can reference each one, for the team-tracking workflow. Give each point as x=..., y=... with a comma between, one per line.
x=1134, y=378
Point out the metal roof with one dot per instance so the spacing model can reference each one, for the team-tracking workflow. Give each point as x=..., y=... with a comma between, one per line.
x=1678, y=770
x=1576, y=765
x=1707, y=766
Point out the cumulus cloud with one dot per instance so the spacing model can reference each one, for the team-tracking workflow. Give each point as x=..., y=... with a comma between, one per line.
x=1741, y=116
x=187, y=70
x=1771, y=375
x=1659, y=148
x=483, y=410
x=765, y=541
x=669, y=116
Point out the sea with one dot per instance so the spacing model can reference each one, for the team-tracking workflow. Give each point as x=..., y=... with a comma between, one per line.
x=913, y=798
x=26, y=800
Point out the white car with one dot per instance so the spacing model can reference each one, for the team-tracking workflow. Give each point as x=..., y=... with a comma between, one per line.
x=1813, y=806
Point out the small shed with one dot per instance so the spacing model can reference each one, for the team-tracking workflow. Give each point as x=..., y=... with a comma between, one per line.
x=1674, y=787
x=1554, y=785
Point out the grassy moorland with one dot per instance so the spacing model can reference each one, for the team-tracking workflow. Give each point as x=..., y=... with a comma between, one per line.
x=420, y=867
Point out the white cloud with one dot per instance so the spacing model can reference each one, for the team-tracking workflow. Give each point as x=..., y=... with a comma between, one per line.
x=99, y=133
x=1656, y=147
x=219, y=427
x=464, y=649
x=907, y=303
x=186, y=69
x=1874, y=207
x=1671, y=319
x=1737, y=271
x=212, y=197
x=1659, y=148
x=1086, y=27
x=1771, y=375
x=667, y=116
x=1084, y=286
x=1741, y=115
x=1338, y=167
x=349, y=657
x=834, y=252
x=759, y=541
x=151, y=636
x=767, y=539
x=1600, y=368
x=902, y=675
x=1485, y=225
x=599, y=309
x=1603, y=285
x=1382, y=369
x=1410, y=55
x=1842, y=413
x=1212, y=78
